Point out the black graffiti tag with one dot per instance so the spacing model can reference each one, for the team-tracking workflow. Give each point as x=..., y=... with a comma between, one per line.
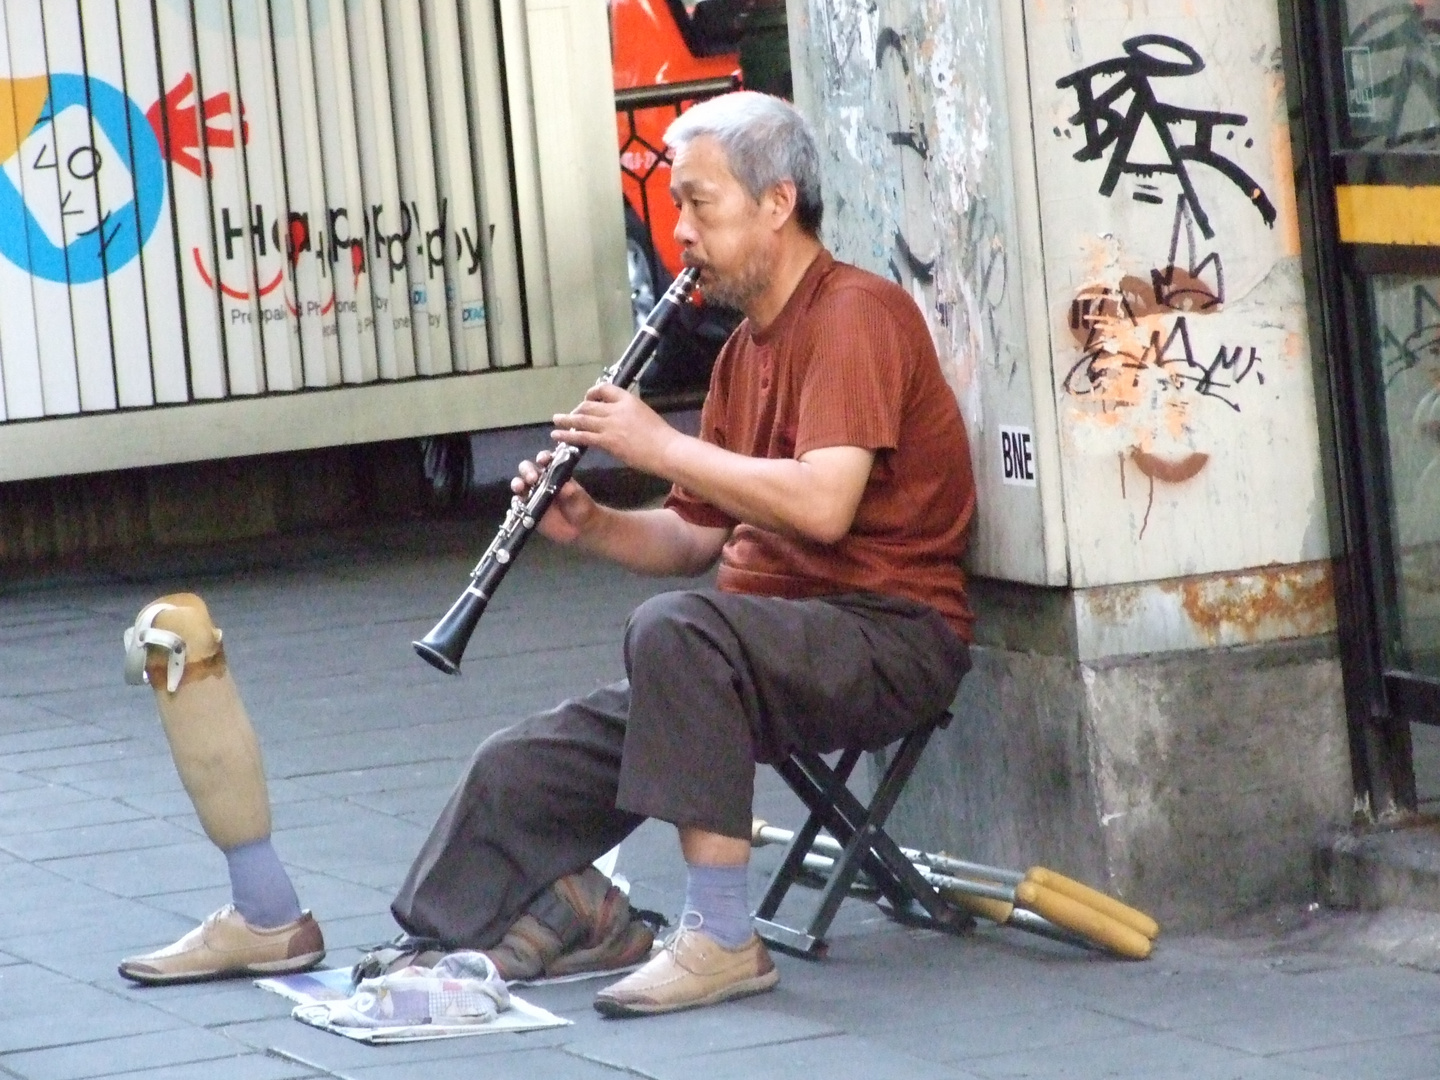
x=1102, y=366
x=1107, y=129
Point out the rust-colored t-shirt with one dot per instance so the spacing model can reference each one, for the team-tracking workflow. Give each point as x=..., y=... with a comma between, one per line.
x=848, y=362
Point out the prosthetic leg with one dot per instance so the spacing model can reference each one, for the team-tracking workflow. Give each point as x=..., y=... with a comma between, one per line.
x=176, y=648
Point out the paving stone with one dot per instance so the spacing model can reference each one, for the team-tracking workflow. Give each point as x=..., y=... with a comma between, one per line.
x=1309, y=1020
x=148, y=871
x=173, y=804
x=313, y=812
x=31, y=990
x=423, y=806
x=140, y=767
x=246, y=1067
x=412, y=744
x=737, y=1026
x=193, y=904
x=1144, y=1057
x=14, y=804
x=113, y=705
x=1390, y=1058
x=13, y=781
x=358, y=837
x=57, y=734
x=33, y=893
x=384, y=877
x=963, y=1034
x=19, y=714
x=138, y=929
x=129, y=1054
x=107, y=783
x=541, y=1063
x=330, y=897
x=103, y=1020
x=119, y=916
x=128, y=834
x=45, y=762
x=404, y=778
x=836, y=1057
x=323, y=1050
x=211, y=1005
x=348, y=937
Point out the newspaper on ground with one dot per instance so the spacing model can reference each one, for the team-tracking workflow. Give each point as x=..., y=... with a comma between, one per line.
x=415, y=1004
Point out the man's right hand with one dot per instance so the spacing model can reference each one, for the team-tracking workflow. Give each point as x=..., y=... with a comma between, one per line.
x=570, y=512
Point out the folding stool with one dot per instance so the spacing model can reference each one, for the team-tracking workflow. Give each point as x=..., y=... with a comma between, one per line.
x=867, y=846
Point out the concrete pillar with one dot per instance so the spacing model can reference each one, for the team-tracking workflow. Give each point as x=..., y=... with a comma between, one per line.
x=1093, y=203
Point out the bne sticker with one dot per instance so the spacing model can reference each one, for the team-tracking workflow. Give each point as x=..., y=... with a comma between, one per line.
x=1017, y=456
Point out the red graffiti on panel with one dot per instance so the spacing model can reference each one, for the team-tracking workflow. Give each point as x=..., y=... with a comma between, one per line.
x=177, y=124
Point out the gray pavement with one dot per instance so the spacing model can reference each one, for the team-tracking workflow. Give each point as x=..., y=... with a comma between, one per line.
x=101, y=856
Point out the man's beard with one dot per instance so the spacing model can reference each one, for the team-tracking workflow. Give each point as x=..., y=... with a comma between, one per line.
x=740, y=289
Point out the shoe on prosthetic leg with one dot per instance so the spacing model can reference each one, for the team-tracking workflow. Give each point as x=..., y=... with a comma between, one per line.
x=581, y=923
x=176, y=648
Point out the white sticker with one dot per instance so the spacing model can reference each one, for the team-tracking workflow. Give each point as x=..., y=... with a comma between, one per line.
x=1017, y=456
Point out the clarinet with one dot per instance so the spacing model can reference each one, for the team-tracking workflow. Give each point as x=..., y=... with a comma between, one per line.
x=445, y=644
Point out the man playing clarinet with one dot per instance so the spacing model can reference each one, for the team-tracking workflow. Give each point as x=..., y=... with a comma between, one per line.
x=831, y=483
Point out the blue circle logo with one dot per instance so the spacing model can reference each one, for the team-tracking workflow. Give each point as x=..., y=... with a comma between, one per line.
x=121, y=231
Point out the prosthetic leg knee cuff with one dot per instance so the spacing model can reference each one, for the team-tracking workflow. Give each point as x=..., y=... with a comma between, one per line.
x=187, y=636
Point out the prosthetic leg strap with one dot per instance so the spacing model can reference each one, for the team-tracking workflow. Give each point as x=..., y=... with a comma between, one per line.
x=143, y=636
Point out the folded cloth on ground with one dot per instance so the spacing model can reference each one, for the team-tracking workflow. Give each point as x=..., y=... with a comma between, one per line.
x=462, y=988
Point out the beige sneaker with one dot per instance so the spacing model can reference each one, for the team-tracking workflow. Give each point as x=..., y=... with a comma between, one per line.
x=225, y=945
x=693, y=970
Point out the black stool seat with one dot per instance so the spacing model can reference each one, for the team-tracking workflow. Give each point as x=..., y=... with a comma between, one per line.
x=867, y=847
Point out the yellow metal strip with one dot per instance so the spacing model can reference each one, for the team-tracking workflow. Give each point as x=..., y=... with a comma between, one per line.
x=1388, y=214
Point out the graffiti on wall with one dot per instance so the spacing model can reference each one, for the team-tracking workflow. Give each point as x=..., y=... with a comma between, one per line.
x=917, y=172
x=229, y=187
x=1162, y=360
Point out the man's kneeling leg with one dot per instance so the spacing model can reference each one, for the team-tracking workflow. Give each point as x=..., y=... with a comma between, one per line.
x=176, y=648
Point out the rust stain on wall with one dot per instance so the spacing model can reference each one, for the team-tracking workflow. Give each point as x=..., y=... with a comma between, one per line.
x=1114, y=606
x=1289, y=601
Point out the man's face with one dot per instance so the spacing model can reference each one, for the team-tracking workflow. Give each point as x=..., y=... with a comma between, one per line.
x=721, y=229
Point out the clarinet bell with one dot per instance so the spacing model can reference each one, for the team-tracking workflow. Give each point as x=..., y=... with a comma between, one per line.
x=445, y=644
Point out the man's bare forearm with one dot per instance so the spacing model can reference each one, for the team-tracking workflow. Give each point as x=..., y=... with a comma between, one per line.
x=656, y=542
x=813, y=498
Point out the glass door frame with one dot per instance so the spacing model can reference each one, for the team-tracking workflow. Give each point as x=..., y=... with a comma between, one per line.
x=1381, y=699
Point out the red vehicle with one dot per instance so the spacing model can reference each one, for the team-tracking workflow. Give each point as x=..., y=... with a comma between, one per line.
x=653, y=50
x=667, y=55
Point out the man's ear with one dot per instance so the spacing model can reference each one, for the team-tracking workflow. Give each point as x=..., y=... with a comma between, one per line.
x=779, y=203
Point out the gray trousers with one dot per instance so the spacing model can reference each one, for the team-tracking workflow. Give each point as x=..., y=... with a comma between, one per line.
x=718, y=682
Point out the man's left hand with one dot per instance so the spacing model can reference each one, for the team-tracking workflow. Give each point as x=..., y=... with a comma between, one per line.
x=619, y=423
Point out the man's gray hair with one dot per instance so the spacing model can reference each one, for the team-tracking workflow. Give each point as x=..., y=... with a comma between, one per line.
x=765, y=140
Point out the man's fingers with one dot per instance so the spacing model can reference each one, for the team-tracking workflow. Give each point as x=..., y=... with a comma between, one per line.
x=573, y=435
x=527, y=473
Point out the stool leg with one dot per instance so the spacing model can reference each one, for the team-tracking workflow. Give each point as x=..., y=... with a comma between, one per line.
x=867, y=827
x=865, y=845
